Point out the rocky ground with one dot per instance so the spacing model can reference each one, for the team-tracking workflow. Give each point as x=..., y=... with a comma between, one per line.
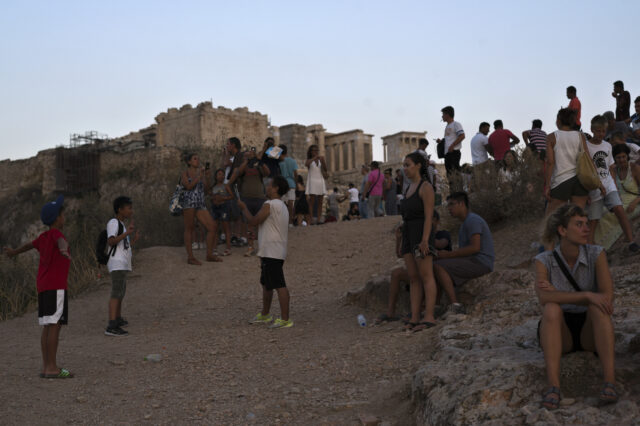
x=216, y=368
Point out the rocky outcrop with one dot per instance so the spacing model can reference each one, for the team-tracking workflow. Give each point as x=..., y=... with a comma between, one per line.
x=488, y=367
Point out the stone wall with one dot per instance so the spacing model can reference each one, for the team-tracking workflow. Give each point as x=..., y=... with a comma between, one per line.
x=348, y=150
x=211, y=127
x=30, y=173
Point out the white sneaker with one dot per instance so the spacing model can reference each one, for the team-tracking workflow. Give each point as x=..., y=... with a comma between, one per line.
x=194, y=246
x=304, y=223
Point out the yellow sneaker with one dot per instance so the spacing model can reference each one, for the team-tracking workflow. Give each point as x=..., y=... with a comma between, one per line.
x=261, y=319
x=280, y=323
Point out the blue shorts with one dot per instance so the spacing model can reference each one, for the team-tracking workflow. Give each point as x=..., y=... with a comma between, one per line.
x=220, y=212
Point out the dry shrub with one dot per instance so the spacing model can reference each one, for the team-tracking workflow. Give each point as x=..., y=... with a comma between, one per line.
x=496, y=199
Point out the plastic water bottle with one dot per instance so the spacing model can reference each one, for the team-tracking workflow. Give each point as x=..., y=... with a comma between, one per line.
x=362, y=321
x=153, y=357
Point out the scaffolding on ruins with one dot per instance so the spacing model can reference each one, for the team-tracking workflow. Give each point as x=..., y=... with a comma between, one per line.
x=89, y=137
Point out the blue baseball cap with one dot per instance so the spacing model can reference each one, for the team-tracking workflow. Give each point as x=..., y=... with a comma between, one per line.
x=51, y=210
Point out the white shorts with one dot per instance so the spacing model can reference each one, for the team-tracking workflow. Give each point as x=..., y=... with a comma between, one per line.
x=289, y=196
x=596, y=208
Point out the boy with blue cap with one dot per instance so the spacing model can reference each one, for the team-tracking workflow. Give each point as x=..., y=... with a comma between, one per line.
x=51, y=282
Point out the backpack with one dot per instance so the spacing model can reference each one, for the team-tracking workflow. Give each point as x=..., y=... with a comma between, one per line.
x=101, y=246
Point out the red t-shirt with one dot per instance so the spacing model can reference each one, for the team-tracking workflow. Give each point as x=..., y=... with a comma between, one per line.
x=500, y=142
x=53, y=269
x=575, y=105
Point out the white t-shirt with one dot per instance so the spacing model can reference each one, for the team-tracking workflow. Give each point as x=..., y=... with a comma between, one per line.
x=478, y=149
x=602, y=158
x=272, y=233
x=353, y=195
x=634, y=155
x=451, y=133
x=121, y=260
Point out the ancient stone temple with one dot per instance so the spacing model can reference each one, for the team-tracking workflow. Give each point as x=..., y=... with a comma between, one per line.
x=209, y=126
x=398, y=145
x=348, y=150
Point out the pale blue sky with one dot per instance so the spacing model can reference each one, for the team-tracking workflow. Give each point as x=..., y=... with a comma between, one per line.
x=71, y=66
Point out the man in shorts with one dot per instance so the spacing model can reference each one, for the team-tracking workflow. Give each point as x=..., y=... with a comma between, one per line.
x=474, y=256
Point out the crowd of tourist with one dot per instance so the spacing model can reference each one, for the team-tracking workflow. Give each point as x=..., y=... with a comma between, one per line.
x=256, y=196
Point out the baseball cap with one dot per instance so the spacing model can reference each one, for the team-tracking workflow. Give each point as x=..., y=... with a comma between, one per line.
x=51, y=210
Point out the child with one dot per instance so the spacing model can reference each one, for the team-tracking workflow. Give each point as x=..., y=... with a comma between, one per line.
x=53, y=270
x=617, y=138
x=607, y=195
x=119, y=263
x=273, y=221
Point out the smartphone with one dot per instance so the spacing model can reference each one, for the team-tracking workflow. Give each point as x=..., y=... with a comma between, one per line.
x=207, y=165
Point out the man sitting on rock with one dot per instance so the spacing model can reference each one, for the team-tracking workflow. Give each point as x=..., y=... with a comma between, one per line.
x=474, y=256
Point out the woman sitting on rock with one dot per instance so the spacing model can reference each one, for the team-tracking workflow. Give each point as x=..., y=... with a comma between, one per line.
x=575, y=288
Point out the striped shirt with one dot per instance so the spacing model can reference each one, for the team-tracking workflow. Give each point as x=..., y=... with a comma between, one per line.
x=538, y=138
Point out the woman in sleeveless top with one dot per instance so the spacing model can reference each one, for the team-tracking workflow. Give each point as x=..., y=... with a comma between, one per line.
x=316, y=188
x=561, y=180
x=221, y=195
x=417, y=215
x=195, y=185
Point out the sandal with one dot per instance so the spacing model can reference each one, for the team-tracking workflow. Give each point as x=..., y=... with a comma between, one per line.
x=608, y=395
x=194, y=261
x=63, y=374
x=423, y=325
x=385, y=318
x=213, y=258
x=250, y=252
x=550, y=402
x=227, y=252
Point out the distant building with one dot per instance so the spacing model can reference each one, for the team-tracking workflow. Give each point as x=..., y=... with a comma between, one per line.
x=398, y=145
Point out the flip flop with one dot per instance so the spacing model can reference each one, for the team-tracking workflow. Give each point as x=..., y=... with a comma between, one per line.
x=423, y=325
x=410, y=326
x=213, y=259
x=227, y=252
x=63, y=374
x=550, y=402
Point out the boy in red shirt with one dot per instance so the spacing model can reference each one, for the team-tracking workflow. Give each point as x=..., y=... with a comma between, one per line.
x=53, y=271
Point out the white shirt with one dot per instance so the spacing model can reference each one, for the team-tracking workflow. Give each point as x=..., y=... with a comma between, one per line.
x=451, y=133
x=353, y=195
x=634, y=155
x=121, y=260
x=272, y=233
x=602, y=158
x=478, y=149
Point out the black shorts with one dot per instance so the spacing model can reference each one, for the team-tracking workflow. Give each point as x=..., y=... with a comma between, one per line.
x=53, y=307
x=271, y=273
x=569, y=188
x=253, y=204
x=575, y=322
x=412, y=231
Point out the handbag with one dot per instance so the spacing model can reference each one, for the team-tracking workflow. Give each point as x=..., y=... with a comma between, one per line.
x=586, y=170
x=565, y=271
x=440, y=149
x=175, y=203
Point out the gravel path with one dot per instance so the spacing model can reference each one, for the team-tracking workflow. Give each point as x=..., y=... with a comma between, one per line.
x=216, y=368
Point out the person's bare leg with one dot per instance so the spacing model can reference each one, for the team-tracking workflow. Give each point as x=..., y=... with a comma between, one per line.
x=580, y=201
x=597, y=335
x=267, y=297
x=290, y=207
x=283, y=300
x=43, y=347
x=113, y=309
x=444, y=281
x=555, y=340
x=415, y=293
x=52, y=349
x=207, y=221
x=624, y=222
x=227, y=234
x=430, y=289
x=188, y=215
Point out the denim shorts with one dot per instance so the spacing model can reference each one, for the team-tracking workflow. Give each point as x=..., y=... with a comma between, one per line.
x=220, y=212
x=596, y=208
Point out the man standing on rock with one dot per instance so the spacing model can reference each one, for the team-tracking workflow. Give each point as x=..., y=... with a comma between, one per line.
x=474, y=256
x=453, y=137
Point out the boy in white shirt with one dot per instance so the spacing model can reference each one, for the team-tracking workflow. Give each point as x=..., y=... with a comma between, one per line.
x=607, y=195
x=119, y=246
x=273, y=226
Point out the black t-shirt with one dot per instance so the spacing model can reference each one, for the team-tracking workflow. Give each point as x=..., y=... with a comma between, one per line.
x=272, y=164
x=237, y=162
x=441, y=235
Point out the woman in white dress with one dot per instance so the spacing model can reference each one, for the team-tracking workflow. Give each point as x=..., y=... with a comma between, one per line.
x=316, y=188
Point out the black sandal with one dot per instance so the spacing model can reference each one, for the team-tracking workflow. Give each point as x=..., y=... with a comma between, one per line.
x=608, y=395
x=549, y=402
x=410, y=326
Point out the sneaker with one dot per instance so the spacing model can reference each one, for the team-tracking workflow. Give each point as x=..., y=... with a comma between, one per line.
x=122, y=322
x=234, y=241
x=223, y=238
x=280, y=323
x=244, y=242
x=261, y=319
x=115, y=331
x=194, y=246
x=457, y=308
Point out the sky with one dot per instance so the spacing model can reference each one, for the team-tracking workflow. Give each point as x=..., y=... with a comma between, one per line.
x=381, y=66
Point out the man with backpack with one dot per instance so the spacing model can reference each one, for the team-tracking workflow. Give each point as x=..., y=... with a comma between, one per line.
x=119, y=246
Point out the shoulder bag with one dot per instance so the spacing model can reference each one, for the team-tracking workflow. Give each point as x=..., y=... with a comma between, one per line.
x=175, y=203
x=586, y=170
x=565, y=271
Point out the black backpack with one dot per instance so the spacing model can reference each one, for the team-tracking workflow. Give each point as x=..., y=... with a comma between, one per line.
x=101, y=246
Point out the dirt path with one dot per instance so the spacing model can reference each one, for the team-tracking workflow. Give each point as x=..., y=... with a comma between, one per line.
x=216, y=368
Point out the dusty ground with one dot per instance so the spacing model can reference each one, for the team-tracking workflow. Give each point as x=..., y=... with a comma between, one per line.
x=216, y=368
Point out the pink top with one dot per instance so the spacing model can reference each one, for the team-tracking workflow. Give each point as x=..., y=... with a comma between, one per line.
x=377, y=180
